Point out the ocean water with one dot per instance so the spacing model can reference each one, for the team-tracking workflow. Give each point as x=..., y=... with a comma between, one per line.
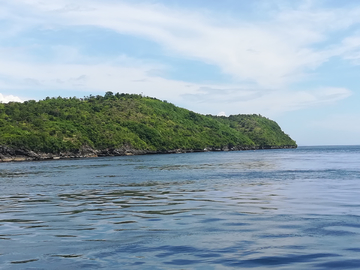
x=266, y=209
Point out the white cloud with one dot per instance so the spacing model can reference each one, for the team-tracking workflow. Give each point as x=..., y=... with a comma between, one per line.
x=9, y=98
x=351, y=48
x=90, y=78
x=138, y=78
x=264, y=57
x=265, y=102
x=258, y=52
x=271, y=53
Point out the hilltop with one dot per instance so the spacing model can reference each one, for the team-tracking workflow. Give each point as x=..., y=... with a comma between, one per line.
x=124, y=124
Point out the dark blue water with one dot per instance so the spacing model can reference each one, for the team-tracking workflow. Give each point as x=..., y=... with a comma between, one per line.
x=270, y=209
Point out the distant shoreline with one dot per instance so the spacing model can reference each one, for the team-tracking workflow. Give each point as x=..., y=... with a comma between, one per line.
x=17, y=155
x=121, y=124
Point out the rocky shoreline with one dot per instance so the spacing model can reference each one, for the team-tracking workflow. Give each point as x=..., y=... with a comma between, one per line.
x=8, y=154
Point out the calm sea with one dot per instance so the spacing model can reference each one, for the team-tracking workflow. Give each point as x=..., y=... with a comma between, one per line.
x=266, y=209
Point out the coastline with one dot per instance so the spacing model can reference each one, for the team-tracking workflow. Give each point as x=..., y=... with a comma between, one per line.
x=8, y=154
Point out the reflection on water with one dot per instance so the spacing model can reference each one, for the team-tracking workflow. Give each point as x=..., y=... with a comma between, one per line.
x=282, y=209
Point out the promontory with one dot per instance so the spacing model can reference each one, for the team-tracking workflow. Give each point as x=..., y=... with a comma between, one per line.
x=125, y=124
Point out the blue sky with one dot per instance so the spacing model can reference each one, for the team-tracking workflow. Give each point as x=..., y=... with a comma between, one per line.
x=296, y=62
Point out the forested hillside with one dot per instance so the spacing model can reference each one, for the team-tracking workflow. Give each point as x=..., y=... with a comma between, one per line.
x=126, y=122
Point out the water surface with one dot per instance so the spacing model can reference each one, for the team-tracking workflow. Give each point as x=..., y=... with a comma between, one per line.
x=270, y=209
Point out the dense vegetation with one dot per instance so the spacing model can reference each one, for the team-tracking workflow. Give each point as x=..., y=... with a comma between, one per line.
x=118, y=120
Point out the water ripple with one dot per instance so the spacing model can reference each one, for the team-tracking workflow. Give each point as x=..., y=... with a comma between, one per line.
x=264, y=209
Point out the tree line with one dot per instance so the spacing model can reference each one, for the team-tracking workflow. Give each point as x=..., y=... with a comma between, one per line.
x=116, y=120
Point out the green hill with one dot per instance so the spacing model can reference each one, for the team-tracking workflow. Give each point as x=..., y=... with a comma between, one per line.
x=126, y=123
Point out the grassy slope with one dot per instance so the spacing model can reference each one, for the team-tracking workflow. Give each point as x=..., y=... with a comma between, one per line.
x=113, y=121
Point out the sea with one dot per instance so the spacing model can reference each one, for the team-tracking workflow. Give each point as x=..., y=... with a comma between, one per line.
x=264, y=209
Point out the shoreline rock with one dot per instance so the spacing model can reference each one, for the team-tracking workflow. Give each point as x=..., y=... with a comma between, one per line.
x=8, y=154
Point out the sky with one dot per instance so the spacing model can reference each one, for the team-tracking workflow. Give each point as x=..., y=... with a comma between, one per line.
x=295, y=62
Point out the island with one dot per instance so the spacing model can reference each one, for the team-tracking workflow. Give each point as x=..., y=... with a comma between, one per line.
x=125, y=124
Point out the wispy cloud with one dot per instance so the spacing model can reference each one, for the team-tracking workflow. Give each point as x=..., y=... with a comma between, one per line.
x=93, y=78
x=351, y=48
x=274, y=52
x=264, y=57
x=266, y=102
